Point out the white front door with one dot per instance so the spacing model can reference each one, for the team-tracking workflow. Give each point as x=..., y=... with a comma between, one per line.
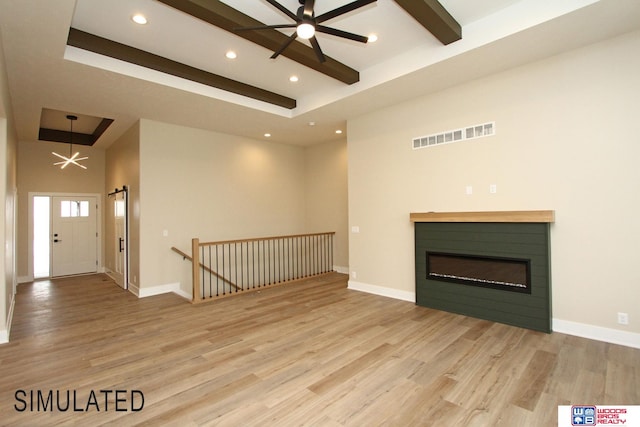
x=73, y=236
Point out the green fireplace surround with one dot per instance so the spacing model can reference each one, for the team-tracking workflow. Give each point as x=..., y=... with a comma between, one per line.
x=505, y=234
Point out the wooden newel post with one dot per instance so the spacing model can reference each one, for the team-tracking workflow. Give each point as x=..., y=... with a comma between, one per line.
x=195, y=264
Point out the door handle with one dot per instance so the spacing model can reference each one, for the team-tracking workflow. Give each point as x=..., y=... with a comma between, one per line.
x=120, y=242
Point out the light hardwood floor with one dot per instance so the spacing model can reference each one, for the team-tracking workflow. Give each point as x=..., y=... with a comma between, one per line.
x=313, y=354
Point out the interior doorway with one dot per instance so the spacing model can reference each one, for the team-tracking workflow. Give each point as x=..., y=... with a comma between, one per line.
x=65, y=239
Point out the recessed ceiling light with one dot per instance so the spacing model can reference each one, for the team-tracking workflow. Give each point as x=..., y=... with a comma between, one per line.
x=139, y=19
x=372, y=38
x=339, y=131
x=312, y=123
x=293, y=79
x=231, y=55
x=267, y=135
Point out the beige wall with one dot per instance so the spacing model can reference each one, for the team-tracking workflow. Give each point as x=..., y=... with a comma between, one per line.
x=195, y=183
x=36, y=173
x=8, y=141
x=122, y=167
x=567, y=139
x=326, y=207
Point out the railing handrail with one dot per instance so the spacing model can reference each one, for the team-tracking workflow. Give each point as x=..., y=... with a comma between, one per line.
x=259, y=239
x=207, y=269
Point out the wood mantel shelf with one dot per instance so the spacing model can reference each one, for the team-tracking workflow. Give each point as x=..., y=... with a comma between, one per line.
x=497, y=216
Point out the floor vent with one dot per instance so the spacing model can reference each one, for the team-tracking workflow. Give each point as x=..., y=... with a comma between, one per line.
x=463, y=134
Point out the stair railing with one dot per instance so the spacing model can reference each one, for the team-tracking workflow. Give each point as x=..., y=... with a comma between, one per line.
x=232, y=267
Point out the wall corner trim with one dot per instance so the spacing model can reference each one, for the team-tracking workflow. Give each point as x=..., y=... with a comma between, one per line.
x=4, y=333
x=382, y=291
x=598, y=333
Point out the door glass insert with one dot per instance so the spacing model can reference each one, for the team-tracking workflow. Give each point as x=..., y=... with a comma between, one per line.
x=119, y=208
x=74, y=208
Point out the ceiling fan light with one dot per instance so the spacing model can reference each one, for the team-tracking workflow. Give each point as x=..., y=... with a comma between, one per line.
x=71, y=159
x=305, y=30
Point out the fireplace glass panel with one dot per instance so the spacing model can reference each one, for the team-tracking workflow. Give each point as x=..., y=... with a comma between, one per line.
x=490, y=272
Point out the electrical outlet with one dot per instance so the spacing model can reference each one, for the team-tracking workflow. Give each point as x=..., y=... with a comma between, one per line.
x=493, y=189
x=354, y=275
x=623, y=318
x=468, y=190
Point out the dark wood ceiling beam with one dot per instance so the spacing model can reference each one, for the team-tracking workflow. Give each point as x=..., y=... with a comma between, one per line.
x=435, y=18
x=227, y=18
x=102, y=46
x=54, y=135
x=101, y=128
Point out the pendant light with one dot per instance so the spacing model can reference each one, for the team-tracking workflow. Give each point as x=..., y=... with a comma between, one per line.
x=71, y=159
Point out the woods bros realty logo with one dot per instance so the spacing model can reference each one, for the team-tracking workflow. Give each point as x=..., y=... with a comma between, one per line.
x=592, y=415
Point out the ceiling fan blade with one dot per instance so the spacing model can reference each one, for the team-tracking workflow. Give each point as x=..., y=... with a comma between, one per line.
x=316, y=49
x=340, y=33
x=284, y=46
x=308, y=8
x=342, y=10
x=265, y=27
x=283, y=9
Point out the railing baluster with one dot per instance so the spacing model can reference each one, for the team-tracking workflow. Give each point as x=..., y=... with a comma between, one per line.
x=224, y=286
x=331, y=261
x=210, y=289
x=238, y=281
x=279, y=276
x=257, y=263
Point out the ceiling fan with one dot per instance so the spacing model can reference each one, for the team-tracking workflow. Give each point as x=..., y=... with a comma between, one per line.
x=307, y=24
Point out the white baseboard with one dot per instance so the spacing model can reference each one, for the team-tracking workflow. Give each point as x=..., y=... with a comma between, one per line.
x=158, y=290
x=342, y=270
x=24, y=279
x=382, y=291
x=598, y=333
x=4, y=333
x=163, y=289
x=133, y=288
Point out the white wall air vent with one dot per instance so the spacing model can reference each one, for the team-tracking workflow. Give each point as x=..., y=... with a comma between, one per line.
x=470, y=132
